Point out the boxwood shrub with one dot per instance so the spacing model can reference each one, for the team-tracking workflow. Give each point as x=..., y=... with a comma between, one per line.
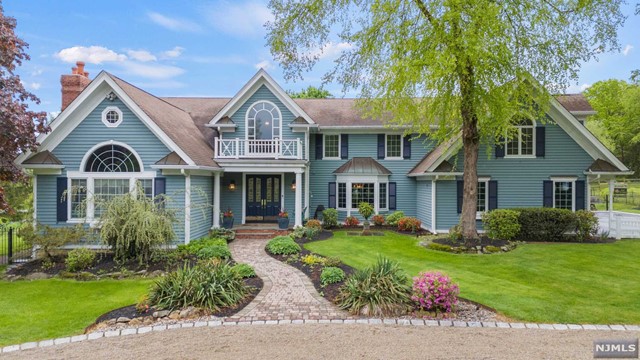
x=330, y=218
x=393, y=218
x=331, y=275
x=282, y=245
x=501, y=224
x=545, y=224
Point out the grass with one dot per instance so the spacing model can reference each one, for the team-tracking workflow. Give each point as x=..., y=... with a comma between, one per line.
x=552, y=283
x=44, y=309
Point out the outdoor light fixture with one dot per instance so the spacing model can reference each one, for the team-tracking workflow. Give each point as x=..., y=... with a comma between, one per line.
x=232, y=185
x=293, y=185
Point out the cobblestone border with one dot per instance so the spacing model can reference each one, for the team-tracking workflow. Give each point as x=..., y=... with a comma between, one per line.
x=219, y=322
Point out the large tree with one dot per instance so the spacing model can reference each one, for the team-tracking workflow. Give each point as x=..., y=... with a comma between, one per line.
x=311, y=92
x=18, y=124
x=465, y=66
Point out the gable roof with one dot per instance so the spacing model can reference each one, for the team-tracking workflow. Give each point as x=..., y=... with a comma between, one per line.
x=362, y=166
x=172, y=159
x=259, y=79
x=575, y=103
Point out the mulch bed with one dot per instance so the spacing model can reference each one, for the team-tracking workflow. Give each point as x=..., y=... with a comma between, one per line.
x=324, y=235
x=255, y=285
x=483, y=241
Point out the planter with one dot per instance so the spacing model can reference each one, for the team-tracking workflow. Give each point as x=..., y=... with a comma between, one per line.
x=366, y=225
x=227, y=222
x=283, y=223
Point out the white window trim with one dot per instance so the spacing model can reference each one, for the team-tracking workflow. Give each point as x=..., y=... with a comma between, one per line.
x=246, y=121
x=104, y=116
x=324, y=147
x=533, y=138
x=484, y=180
x=350, y=179
x=386, y=157
x=571, y=180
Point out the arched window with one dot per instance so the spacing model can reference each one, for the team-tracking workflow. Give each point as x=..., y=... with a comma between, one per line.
x=263, y=121
x=112, y=158
x=523, y=142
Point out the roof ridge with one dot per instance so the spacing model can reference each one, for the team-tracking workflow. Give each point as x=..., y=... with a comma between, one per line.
x=146, y=92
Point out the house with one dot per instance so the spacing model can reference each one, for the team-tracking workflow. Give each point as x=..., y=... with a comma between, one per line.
x=262, y=151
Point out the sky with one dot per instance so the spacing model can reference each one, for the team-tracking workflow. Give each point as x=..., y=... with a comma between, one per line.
x=195, y=47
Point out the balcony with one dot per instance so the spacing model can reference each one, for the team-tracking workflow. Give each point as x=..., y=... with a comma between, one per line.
x=252, y=149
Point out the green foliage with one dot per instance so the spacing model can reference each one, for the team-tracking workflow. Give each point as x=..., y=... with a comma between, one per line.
x=545, y=224
x=492, y=249
x=244, y=270
x=282, y=245
x=393, y=218
x=455, y=233
x=365, y=209
x=501, y=224
x=80, y=259
x=330, y=218
x=379, y=290
x=311, y=92
x=19, y=197
x=409, y=224
x=214, y=251
x=135, y=227
x=48, y=238
x=223, y=233
x=331, y=275
x=298, y=233
x=194, y=246
x=586, y=225
x=312, y=233
x=332, y=261
x=212, y=285
x=439, y=247
x=312, y=259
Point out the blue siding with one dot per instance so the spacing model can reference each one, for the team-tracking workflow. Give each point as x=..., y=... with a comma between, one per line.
x=231, y=199
x=423, y=203
x=46, y=199
x=175, y=193
x=201, y=205
x=519, y=180
x=365, y=145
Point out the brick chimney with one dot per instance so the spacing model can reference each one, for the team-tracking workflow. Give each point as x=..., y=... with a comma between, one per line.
x=73, y=84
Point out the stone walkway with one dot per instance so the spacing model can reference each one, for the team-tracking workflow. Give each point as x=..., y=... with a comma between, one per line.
x=288, y=294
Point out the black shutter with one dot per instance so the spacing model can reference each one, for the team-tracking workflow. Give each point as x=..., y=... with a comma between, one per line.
x=61, y=199
x=500, y=148
x=344, y=146
x=392, y=196
x=493, y=195
x=547, y=193
x=381, y=146
x=580, y=203
x=460, y=193
x=406, y=144
x=332, y=195
x=319, y=153
x=540, y=141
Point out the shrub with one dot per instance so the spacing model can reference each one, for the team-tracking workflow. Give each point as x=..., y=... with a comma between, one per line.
x=378, y=220
x=214, y=251
x=311, y=233
x=298, y=233
x=210, y=286
x=244, y=270
x=409, y=224
x=366, y=210
x=136, y=226
x=312, y=259
x=282, y=245
x=545, y=224
x=586, y=225
x=331, y=275
x=393, y=218
x=455, y=233
x=48, y=238
x=330, y=218
x=332, y=261
x=380, y=290
x=501, y=224
x=80, y=259
x=314, y=224
x=439, y=247
x=351, y=221
x=222, y=233
x=433, y=291
x=492, y=249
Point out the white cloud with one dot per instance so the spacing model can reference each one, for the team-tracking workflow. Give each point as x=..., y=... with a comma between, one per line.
x=577, y=88
x=243, y=19
x=626, y=49
x=331, y=50
x=36, y=72
x=141, y=55
x=152, y=71
x=174, y=24
x=265, y=64
x=35, y=85
x=91, y=55
x=173, y=53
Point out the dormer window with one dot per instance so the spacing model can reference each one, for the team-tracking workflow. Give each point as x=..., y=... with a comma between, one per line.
x=523, y=142
x=112, y=116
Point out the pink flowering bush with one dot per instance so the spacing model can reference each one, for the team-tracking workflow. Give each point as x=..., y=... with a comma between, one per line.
x=434, y=291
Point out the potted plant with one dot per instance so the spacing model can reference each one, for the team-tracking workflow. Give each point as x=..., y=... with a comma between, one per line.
x=227, y=219
x=366, y=210
x=283, y=219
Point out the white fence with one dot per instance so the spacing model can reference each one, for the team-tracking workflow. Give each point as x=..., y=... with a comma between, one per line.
x=272, y=149
x=622, y=225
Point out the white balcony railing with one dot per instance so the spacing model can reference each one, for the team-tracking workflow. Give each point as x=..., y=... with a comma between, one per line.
x=264, y=149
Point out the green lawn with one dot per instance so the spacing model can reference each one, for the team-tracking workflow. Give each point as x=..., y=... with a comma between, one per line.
x=553, y=283
x=44, y=309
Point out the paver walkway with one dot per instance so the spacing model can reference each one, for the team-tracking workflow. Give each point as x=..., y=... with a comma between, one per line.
x=288, y=294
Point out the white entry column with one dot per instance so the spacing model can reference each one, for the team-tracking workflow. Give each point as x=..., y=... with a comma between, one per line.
x=216, y=199
x=298, y=219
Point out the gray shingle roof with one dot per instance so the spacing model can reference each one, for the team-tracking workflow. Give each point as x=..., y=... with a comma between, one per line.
x=43, y=158
x=362, y=165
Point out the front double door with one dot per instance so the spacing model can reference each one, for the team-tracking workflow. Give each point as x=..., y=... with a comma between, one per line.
x=263, y=198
